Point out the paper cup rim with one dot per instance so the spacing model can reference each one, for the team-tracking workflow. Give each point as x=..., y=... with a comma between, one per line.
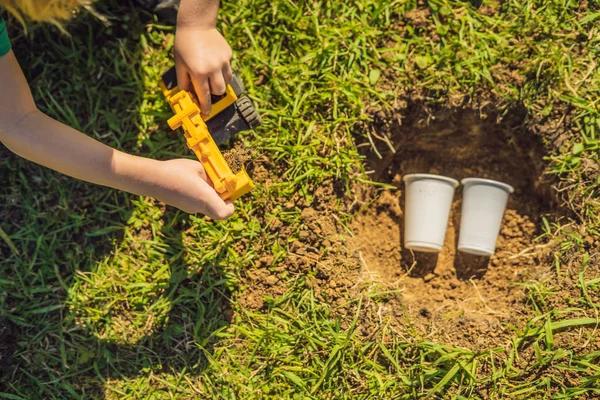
x=414, y=177
x=488, y=182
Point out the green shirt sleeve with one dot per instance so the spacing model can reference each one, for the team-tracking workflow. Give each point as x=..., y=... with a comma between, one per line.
x=4, y=41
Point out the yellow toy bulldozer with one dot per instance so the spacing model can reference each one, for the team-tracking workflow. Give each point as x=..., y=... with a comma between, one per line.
x=231, y=113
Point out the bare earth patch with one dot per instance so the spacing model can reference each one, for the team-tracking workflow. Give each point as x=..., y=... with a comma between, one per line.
x=454, y=297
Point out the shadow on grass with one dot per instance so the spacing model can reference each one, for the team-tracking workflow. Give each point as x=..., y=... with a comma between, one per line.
x=181, y=343
x=63, y=229
x=184, y=342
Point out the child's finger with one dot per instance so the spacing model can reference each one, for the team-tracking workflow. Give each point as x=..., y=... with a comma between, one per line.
x=217, y=83
x=227, y=73
x=202, y=88
x=215, y=207
x=183, y=78
x=220, y=211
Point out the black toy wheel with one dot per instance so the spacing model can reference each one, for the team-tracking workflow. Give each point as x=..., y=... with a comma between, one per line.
x=248, y=112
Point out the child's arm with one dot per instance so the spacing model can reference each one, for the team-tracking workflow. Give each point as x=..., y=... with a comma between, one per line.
x=202, y=55
x=29, y=133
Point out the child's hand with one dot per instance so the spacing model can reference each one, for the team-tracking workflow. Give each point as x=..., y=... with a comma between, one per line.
x=184, y=184
x=202, y=59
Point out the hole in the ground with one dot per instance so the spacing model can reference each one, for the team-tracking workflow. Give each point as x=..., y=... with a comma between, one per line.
x=478, y=291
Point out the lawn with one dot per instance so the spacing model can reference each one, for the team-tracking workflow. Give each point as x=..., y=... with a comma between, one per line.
x=306, y=291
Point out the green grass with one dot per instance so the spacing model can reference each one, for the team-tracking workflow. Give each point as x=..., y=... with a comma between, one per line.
x=117, y=297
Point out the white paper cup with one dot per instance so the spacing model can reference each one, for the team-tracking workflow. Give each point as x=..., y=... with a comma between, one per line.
x=484, y=203
x=426, y=211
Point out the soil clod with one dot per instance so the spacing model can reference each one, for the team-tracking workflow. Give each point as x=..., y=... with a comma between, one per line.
x=237, y=157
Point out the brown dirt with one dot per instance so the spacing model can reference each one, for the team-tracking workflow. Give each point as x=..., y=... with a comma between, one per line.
x=418, y=17
x=316, y=253
x=237, y=157
x=488, y=9
x=460, y=299
x=468, y=300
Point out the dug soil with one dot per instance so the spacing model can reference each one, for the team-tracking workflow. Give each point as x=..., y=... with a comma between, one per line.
x=450, y=298
x=237, y=157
